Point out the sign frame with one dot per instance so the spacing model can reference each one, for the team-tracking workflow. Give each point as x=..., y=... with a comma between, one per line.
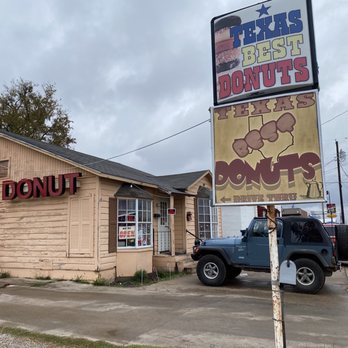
x=268, y=91
x=229, y=202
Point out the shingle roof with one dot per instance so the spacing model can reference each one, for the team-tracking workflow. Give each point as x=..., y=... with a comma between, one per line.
x=167, y=183
x=184, y=180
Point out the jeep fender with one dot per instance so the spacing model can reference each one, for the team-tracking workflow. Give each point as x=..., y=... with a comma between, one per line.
x=216, y=251
x=308, y=253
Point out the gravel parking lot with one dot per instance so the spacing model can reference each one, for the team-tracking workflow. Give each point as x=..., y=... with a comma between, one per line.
x=177, y=313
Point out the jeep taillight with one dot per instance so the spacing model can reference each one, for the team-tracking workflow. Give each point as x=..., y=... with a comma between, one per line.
x=333, y=240
x=334, y=253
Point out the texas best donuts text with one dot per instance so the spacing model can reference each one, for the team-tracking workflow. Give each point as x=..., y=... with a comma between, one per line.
x=271, y=55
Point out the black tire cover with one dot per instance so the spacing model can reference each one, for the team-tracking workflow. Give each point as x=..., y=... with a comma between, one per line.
x=342, y=242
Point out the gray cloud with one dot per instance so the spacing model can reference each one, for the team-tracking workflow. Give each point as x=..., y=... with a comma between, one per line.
x=132, y=72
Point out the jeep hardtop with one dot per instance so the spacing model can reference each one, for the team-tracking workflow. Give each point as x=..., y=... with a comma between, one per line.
x=301, y=240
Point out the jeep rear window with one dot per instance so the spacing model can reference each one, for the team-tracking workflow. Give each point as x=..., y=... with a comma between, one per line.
x=305, y=232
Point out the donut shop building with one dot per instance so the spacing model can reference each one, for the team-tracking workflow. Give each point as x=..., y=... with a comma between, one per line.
x=65, y=214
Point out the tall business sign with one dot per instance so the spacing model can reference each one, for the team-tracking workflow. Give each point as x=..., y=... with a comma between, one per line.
x=265, y=119
x=263, y=49
x=267, y=150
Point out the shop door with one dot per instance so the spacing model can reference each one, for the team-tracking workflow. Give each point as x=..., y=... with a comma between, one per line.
x=163, y=227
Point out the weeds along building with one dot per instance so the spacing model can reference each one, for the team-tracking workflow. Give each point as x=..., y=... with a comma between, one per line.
x=66, y=214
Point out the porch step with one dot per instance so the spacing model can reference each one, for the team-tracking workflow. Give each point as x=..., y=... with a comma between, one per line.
x=188, y=266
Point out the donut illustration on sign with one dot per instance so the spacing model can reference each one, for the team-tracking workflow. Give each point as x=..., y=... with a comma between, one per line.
x=226, y=56
x=255, y=138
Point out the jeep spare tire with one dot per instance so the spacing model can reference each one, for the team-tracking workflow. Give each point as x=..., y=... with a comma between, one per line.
x=310, y=277
x=211, y=270
x=342, y=242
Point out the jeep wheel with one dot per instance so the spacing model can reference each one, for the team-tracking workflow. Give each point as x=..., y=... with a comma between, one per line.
x=310, y=277
x=211, y=270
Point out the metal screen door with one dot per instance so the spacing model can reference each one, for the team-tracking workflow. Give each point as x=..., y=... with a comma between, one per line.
x=163, y=228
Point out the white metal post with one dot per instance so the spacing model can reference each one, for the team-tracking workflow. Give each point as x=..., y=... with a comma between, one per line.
x=279, y=332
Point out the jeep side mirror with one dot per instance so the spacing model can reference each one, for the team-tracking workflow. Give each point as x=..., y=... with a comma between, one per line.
x=243, y=232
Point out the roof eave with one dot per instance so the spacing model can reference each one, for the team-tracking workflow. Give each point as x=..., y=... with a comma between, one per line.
x=76, y=164
x=200, y=178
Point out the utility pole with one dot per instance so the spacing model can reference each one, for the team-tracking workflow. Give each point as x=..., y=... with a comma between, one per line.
x=340, y=182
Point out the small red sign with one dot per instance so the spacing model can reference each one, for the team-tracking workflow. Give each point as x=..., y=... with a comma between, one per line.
x=171, y=211
x=331, y=208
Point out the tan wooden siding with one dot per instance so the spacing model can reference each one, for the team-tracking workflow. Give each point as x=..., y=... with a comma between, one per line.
x=107, y=189
x=190, y=206
x=190, y=225
x=220, y=231
x=205, y=181
x=179, y=225
x=68, y=236
x=34, y=233
x=27, y=163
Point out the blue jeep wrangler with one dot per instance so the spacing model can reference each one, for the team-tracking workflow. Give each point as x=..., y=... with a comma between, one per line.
x=302, y=240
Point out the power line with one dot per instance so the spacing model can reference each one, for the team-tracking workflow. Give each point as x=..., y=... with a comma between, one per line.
x=335, y=182
x=344, y=171
x=333, y=118
x=148, y=145
x=183, y=131
x=159, y=141
x=329, y=162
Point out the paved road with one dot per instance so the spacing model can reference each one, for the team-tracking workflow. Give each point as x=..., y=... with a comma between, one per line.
x=180, y=312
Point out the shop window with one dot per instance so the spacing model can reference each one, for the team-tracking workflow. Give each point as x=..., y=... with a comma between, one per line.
x=134, y=223
x=4, y=169
x=207, y=219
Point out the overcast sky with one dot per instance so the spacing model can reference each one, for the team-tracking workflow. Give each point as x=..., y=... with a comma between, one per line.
x=130, y=72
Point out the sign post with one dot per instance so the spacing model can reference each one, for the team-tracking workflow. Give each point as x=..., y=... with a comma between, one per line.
x=265, y=119
x=278, y=319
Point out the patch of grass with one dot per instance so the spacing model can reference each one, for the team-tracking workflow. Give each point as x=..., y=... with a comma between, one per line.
x=58, y=341
x=38, y=285
x=141, y=278
x=80, y=280
x=43, y=278
x=4, y=275
x=101, y=282
x=166, y=275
